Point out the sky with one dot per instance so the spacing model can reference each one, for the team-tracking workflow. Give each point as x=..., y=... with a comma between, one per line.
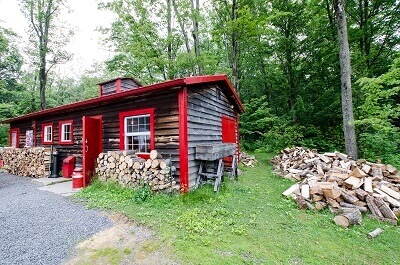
x=84, y=18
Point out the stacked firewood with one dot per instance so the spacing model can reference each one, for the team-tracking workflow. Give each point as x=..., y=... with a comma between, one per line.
x=129, y=170
x=346, y=186
x=27, y=162
x=248, y=160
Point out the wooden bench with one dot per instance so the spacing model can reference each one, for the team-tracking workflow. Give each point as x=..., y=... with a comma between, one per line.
x=215, y=153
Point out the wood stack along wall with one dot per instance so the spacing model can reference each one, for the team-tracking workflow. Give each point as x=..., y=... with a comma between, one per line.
x=27, y=162
x=337, y=181
x=130, y=170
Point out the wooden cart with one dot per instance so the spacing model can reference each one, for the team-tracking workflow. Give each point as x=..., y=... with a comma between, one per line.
x=212, y=163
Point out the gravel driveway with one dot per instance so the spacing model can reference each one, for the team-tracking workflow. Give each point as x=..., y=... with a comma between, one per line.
x=40, y=227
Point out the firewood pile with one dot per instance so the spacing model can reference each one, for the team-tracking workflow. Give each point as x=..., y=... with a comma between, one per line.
x=348, y=187
x=27, y=162
x=248, y=160
x=129, y=170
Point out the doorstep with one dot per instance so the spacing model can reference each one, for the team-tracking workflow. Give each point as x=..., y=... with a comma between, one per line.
x=50, y=181
x=62, y=188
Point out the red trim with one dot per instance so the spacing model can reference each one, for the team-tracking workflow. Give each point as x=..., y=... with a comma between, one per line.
x=124, y=114
x=143, y=155
x=118, y=85
x=52, y=133
x=16, y=130
x=60, y=133
x=183, y=141
x=237, y=136
x=140, y=91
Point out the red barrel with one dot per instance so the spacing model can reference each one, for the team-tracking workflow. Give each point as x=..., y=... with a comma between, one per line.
x=77, y=179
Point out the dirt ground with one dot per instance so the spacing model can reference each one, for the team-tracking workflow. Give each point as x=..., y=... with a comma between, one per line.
x=124, y=243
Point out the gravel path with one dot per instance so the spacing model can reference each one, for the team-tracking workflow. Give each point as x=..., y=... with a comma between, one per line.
x=40, y=227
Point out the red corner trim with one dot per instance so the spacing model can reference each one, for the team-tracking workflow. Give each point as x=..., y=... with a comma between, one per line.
x=60, y=141
x=123, y=115
x=183, y=141
x=52, y=133
x=16, y=130
x=237, y=135
x=118, y=85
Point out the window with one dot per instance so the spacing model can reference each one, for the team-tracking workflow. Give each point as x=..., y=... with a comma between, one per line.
x=14, y=138
x=137, y=133
x=66, y=132
x=137, y=130
x=29, y=138
x=47, y=133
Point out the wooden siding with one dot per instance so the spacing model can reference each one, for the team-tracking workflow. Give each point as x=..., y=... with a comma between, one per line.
x=206, y=106
x=165, y=121
x=108, y=88
x=127, y=84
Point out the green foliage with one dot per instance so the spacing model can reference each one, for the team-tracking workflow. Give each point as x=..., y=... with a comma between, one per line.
x=379, y=119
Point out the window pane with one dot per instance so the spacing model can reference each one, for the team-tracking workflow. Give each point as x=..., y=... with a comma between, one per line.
x=66, y=134
x=137, y=133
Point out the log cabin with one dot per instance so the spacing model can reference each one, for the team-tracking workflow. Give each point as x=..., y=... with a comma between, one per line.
x=172, y=117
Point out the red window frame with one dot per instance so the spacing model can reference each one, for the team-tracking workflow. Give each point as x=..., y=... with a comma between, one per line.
x=124, y=114
x=15, y=130
x=60, y=132
x=44, y=125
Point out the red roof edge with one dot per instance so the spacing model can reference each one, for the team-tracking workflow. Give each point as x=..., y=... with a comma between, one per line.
x=102, y=99
x=122, y=78
x=141, y=90
x=221, y=78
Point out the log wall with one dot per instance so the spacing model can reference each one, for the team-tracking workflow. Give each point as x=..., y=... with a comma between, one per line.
x=166, y=126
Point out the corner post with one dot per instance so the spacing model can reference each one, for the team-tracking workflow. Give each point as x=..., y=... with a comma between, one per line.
x=183, y=140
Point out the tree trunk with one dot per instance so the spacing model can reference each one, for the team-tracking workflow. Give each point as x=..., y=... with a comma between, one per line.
x=235, y=48
x=345, y=71
x=169, y=40
x=195, y=14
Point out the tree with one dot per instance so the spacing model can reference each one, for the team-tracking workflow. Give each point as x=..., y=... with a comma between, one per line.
x=345, y=72
x=47, y=38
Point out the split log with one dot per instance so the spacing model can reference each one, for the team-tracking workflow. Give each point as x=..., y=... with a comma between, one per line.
x=348, y=205
x=155, y=163
x=357, y=173
x=385, y=209
x=293, y=189
x=374, y=233
x=348, y=218
x=348, y=197
x=389, y=199
x=301, y=202
x=383, y=219
x=154, y=154
x=361, y=194
x=390, y=192
x=368, y=185
x=373, y=207
x=319, y=205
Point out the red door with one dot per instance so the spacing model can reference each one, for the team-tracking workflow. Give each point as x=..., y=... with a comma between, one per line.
x=229, y=135
x=228, y=130
x=92, y=146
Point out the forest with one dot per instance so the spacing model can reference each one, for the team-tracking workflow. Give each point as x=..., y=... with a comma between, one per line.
x=282, y=57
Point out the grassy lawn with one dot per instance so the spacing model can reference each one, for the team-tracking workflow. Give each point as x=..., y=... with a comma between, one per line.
x=248, y=222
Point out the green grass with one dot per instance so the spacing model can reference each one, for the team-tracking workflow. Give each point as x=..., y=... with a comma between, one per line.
x=248, y=222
